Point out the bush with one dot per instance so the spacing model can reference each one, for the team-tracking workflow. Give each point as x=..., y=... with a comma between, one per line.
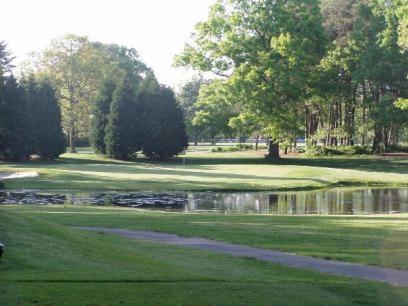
x=398, y=149
x=2, y=185
x=236, y=148
x=245, y=147
x=337, y=151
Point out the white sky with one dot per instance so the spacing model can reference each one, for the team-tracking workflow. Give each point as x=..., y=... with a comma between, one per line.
x=157, y=29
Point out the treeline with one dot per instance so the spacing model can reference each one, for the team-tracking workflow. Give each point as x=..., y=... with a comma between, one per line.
x=139, y=115
x=76, y=90
x=30, y=119
x=332, y=72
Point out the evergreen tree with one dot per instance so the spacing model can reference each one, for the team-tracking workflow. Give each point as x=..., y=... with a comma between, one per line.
x=100, y=114
x=164, y=127
x=47, y=136
x=5, y=58
x=16, y=122
x=123, y=135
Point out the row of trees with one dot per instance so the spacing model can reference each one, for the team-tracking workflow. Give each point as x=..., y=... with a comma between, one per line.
x=110, y=97
x=137, y=115
x=334, y=72
x=30, y=120
x=98, y=93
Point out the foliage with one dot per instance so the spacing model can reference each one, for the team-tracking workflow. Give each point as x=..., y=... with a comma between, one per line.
x=79, y=68
x=215, y=109
x=5, y=59
x=123, y=135
x=15, y=122
x=402, y=12
x=402, y=104
x=187, y=99
x=47, y=136
x=164, y=128
x=99, y=120
x=327, y=83
x=339, y=150
x=236, y=148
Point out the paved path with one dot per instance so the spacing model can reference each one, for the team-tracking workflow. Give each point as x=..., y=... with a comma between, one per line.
x=391, y=276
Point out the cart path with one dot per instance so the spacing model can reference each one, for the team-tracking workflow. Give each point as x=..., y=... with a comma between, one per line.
x=391, y=276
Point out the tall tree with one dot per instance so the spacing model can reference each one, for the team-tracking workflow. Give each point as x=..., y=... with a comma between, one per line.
x=164, y=127
x=263, y=50
x=99, y=119
x=124, y=135
x=16, y=122
x=47, y=136
x=74, y=65
x=375, y=43
x=215, y=109
x=402, y=12
x=5, y=58
x=187, y=98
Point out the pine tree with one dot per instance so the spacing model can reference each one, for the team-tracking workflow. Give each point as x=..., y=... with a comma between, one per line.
x=123, y=135
x=48, y=138
x=16, y=122
x=100, y=114
x=164, y=128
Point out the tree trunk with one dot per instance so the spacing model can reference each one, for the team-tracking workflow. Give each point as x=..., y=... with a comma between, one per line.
x=72, y=139
x=273, y=150
x=256, y=142
x=72, y=134
x=377, y=140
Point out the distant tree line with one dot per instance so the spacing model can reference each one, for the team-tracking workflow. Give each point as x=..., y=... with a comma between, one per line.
x=137, y=115
x=76, y=90
x=332, y=72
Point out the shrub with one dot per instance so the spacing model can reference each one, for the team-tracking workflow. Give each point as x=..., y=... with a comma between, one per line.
x=399, y=148
x=239, y=147
x=337, y=151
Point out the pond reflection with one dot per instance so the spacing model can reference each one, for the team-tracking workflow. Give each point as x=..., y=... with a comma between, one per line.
x=321, y=202
x=327, y=202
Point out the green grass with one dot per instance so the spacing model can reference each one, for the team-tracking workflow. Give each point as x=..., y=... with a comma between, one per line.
x=202, y=170
x=380, y=240
x=49, y=263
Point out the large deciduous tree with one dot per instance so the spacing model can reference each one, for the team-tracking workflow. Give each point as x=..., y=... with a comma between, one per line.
x=187, y=98
x=74, y=65
x=267, y=50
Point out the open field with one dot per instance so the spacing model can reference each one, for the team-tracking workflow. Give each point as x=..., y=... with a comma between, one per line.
x=201, y=170
x=48, y=262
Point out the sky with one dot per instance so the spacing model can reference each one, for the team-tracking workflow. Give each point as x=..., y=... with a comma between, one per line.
x=157, y=29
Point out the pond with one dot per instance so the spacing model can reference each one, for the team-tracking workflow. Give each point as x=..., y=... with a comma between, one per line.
x=322, y=202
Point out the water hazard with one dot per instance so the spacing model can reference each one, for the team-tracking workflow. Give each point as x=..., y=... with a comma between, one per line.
x=321, y=202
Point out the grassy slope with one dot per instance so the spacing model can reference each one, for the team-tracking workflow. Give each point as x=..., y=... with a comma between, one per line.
x=208, y=171
x=374, y=240
x=48, y=263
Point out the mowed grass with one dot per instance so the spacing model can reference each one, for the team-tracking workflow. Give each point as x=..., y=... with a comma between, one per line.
x=199, y=169
x=47, y=262
x=380, y=240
